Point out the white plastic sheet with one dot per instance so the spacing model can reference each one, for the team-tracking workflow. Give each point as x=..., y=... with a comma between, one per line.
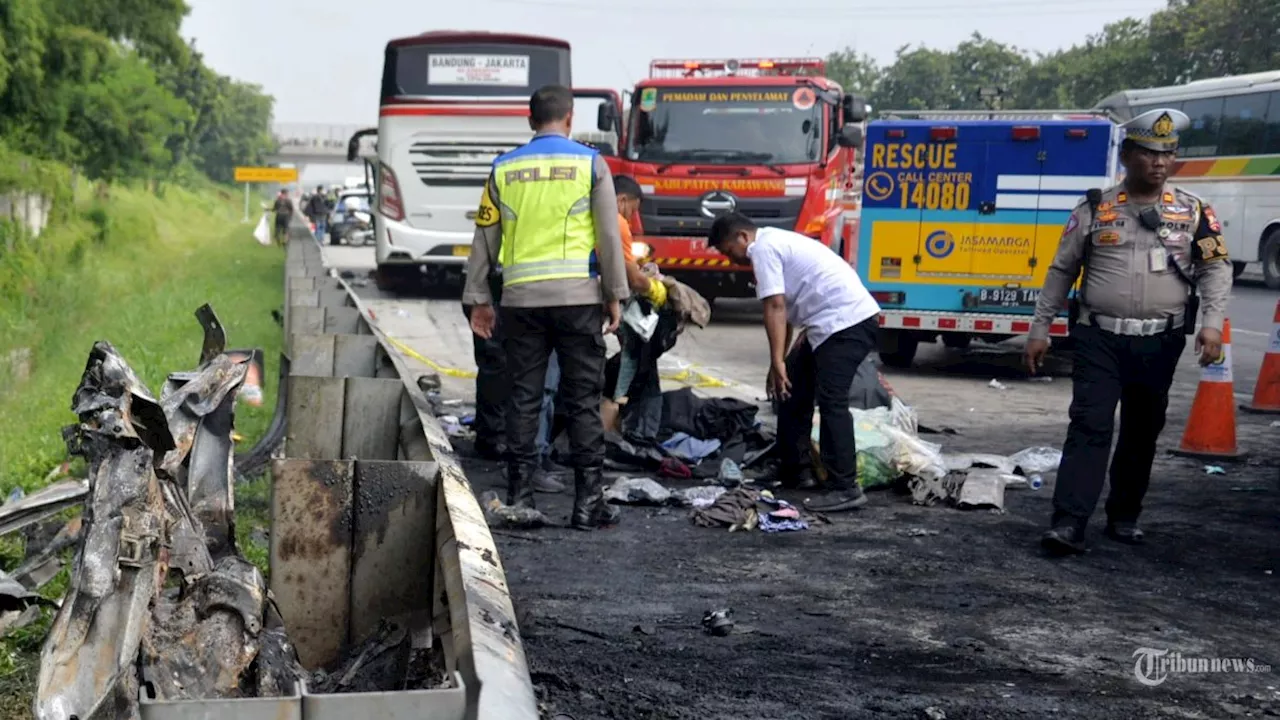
x=262, y=233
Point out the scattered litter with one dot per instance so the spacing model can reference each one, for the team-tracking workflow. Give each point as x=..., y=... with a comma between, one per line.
x=1214, y=470
x=730, y=475
x=982, y=490
x=1275, y=423
x=692, y=449
x=702, y=496
x=919, y=532
x=718, y=622
x=785, y=518
x=746, y=509
x=997, y=385
x=930, y=491
x=1035, y=482
x=637, y=491
x=1010, y=480
x=499, y=514
x=933, y=713
x=1035, y=460
x=468, y=420
x=959, y=462
x=452, y=402
x=1041, y=379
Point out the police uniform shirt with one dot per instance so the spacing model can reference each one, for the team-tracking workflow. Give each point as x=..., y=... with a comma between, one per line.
x=1132, y=271
x=487, y=243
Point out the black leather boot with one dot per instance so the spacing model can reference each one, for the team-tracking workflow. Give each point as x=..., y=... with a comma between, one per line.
x=590, y=509
x=520, y=484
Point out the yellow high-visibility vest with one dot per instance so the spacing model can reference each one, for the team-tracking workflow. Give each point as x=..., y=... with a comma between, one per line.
x=544, y=190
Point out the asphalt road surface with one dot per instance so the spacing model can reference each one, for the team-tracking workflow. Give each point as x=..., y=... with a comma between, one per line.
x=899, y=611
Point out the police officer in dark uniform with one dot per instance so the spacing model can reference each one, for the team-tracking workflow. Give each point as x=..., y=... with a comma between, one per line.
x=1152, y=258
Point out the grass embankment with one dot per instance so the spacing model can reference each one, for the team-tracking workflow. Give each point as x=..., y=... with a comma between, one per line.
x=130, y=267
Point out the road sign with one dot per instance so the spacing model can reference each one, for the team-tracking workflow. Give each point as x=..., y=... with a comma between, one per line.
x=266, y=175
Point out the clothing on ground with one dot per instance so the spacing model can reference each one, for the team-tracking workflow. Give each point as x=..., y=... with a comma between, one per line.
x=706, y=418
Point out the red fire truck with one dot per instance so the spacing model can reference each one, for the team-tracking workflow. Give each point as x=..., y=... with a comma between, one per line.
x=770, y=138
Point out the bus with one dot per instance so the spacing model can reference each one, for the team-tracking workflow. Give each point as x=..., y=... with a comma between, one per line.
x=1230, y=156
x=451, y=102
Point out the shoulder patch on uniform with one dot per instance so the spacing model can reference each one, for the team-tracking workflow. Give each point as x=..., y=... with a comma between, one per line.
x=487, y=214
x=1073, y=222
x=1211, y=218
x=1212, y=248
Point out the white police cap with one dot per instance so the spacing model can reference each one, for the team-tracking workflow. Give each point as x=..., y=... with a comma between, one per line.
x=1157, y=129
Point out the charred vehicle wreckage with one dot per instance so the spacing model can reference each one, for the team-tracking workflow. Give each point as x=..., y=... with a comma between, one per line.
x=161, y=606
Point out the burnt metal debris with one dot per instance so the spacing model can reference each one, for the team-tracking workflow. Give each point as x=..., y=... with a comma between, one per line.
x=158, y=592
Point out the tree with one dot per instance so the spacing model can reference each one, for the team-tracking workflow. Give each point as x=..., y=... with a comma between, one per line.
x=110, y=86
x=856, y=72
x=918, y=79
x=981, y=62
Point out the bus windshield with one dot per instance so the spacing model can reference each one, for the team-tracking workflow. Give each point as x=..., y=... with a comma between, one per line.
x=726, y=125
x=480, y=70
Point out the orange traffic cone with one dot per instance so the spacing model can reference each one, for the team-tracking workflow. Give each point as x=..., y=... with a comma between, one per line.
x=1266, y=393
x=1211, y=429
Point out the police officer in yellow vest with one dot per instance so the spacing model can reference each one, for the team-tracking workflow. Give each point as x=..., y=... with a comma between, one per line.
x=1153, y=262
x=549, y=218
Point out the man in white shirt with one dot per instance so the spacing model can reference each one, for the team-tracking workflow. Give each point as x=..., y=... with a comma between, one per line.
x=803, y=284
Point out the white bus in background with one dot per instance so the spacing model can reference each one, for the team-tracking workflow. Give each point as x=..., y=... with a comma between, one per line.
x=451, y=101
x=1230, y=156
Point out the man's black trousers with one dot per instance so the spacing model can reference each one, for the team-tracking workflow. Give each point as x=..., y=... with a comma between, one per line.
x=575, y=333
x=493, y=387
x=1135, y=372
x=824, y=376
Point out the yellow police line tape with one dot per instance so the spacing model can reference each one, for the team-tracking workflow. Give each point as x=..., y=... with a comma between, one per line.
x=451, y=372
x=688, y=376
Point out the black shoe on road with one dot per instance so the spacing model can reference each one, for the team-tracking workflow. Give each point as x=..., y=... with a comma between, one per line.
x=840, y=500
x=1125, y=532
x=1063, y=540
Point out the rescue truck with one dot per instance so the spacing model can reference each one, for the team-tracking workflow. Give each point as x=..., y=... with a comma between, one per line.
x=961, y=217
x=770, y=138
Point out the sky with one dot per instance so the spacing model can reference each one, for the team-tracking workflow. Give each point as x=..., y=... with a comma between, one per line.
x=322, y=59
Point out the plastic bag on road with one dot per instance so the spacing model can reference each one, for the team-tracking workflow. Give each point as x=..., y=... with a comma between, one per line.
x=1036, y=460
x=262, y=233
x=888, y=446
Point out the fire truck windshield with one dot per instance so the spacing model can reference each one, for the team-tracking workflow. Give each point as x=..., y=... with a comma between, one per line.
x=726, y=125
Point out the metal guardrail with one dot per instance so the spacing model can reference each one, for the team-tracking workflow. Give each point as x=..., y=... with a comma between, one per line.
x=417, y=539
x=373, y=518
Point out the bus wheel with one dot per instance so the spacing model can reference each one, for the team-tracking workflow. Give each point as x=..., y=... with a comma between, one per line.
x=1270, y=257
x=956, y=341
x=897, y=349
